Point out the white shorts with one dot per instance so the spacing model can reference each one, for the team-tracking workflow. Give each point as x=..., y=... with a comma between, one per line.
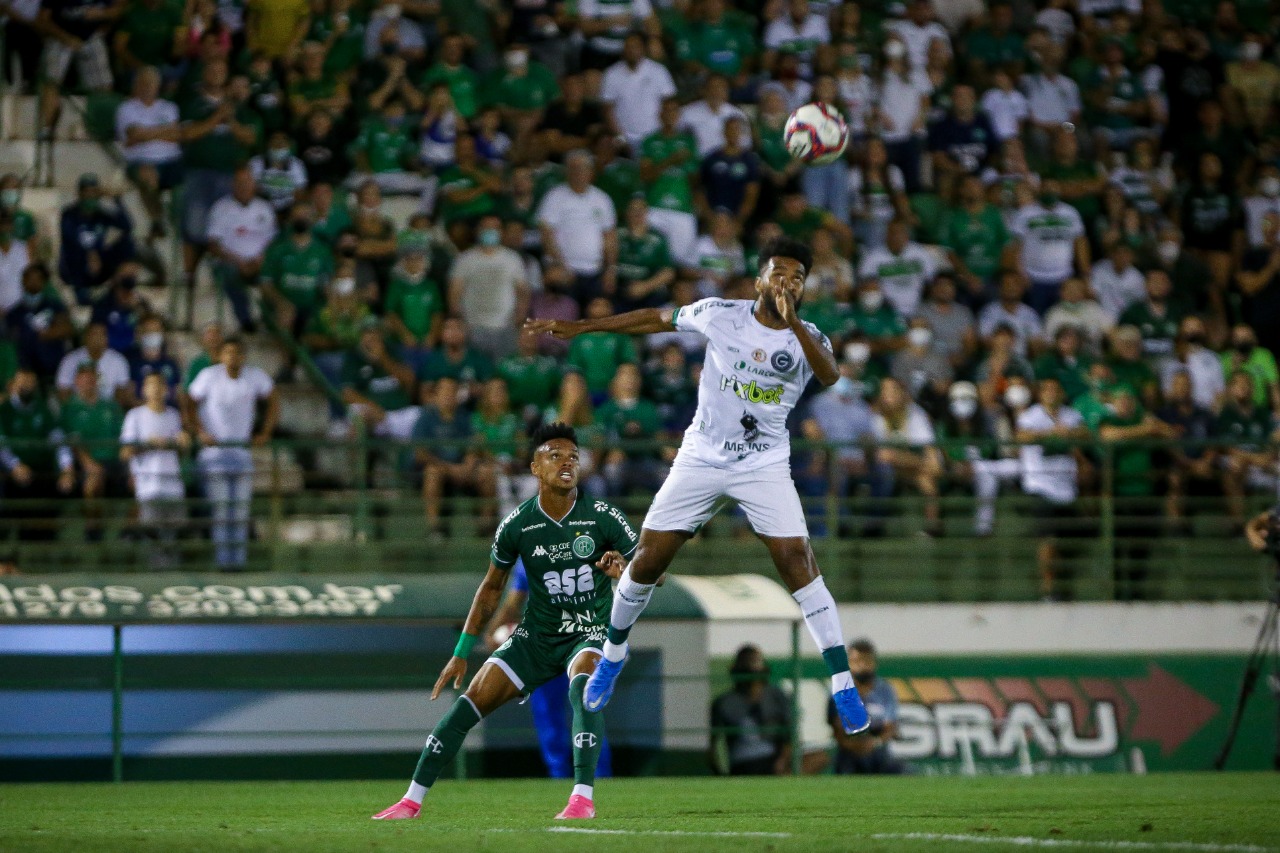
x=692, y=494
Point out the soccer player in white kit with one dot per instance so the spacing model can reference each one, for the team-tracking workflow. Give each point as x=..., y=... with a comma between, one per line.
x=759, y=358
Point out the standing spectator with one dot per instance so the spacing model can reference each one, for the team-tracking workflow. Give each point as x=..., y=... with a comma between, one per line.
x=633, y=90
x=110, y=367
x=597, y=355
x=1050, y=472
x=91, y=424
x=241, y=227
x=275, y=28
x=608, y=26
x=623, y=418
x=554, y=302
x=572, y=121
x=669, y=166
x=954, y=327
x=962, y=142
x=96, y=239
x=1259, y=364
x=1009, y=310
x=295, y=270
x=903, y=268
x=918, y=31
x=384, y=150
x=920, y=367
x=1049, y=245
x=469, y=188
x=799, y=33
x=521, y=95
x=579, y=229
x=24, y=222
x=975, y=235
x=706, y=119
x=868, y=751
x=221, y=405
x=378, y=388
x=1005, y=108
x=1053, y=100
x=907, y=446
x=455, y=359
x=151, y=439
x=751, y=723
x=1212, y=225
x=877, y=195
x=1077, y=308
x=487, y=289
x=903, y=111
x=443, y=446
x=1192, y=467
x=533, y=379
x=1116, y=282
x=1247, y=426
x=1256, y=80
x=39, y=325
x=210, y=353
x=1080, y=180
x=415, y=305
x=1199, y=364
x=1258, y=280
x=77, y=30
x=14, y=258
x=645, y=268
x=729, y=176
x=1004, y=366
x=41, y=467
x=1155, y=318
x=1265, y=201
x=148, y=130
x=151, y=355
x=1066, y=363
x=323, y=151
x=281, y=177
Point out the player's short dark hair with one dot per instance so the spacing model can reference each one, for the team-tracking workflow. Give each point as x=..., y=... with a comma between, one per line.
x=863, y=646
x=786, y=247
x=549, y=432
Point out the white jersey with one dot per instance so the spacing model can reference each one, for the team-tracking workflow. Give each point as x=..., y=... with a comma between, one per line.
x=752, y=377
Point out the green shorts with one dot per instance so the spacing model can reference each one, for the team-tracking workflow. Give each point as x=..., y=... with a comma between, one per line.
x=531, y=660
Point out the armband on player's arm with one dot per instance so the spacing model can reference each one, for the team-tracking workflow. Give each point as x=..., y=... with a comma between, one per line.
x=465, y=643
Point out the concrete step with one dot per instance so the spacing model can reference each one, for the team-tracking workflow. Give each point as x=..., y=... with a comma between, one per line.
x=71, y=159
x=18, y=118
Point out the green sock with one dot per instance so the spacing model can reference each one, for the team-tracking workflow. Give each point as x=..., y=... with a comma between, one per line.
x=445, y=740
x=588, y=734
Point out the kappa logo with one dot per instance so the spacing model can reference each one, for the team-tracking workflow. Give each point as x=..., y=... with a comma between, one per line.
x=434, y=745
x=539, y=551
x=584, y=740
x=782, y=361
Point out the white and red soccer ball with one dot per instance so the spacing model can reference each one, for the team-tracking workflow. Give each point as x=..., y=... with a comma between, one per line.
x=816, y=133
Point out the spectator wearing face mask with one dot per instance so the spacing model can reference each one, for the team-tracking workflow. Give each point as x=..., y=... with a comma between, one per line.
x=1003, y=361
x=868, y=752
x=920, y=367
x=295, y=270
x=1256, y=80
x=281, y=176
x=336, y=327
x=487, y=289
x=151, y=356
x=876, y=319
x=1186, y=270
x=1259, y=364
x=972, y=434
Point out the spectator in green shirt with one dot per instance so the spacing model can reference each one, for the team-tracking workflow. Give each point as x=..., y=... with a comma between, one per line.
x=1257, y=363
x=645, y=267
x=670, y=385
x=451, y=69
x=443, y=447
x=385, y=149
x=378, y=387
x=1129, y=367
x=874, y=317
x=336, y=327
x=624, y=418
x=1066, y=363
x=211, y=338
x=532, y=379
x=597, y=355
x=995, y=46
x=91, y=424
x=497, y=429
x=148, y=35
x=40, y=466
x=975, y=236
x=414, y=307
x=24, y=222
x=669, y=166
x=455, y=359
x=522, y=91
x=469, y=188
x=295, y=270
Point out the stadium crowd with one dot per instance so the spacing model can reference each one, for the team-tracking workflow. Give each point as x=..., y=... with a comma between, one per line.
x=1057, y=222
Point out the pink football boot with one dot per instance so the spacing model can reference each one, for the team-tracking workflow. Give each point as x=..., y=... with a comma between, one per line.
x=579, y=808
x=405, y=809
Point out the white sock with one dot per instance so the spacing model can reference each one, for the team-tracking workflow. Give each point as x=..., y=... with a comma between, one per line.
x=629, y=601
x=583, y=791
x=613, y=653
x=416, y=793
x=820, y=614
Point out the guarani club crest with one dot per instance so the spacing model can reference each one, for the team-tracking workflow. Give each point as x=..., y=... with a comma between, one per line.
x=583, y=546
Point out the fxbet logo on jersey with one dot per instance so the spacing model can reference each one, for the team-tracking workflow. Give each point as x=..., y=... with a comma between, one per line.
x=752, y=392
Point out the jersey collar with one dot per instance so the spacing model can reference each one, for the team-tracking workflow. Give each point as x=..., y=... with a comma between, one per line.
x=538, y=501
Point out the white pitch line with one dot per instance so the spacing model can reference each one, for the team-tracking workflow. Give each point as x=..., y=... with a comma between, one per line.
x=1028, y=841
x=667, y=832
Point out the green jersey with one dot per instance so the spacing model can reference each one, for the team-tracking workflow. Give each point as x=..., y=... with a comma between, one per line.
x=95, y=425
x=347, y=50
x=386, y=147
x=567, y=593
x=533, y=90
x=1245, y=429
x=598, y=354
x=882, y=323
x=620, y=181
x=151, y=31
x=672, y=190
x=464, y=86
x=1158, y=330
x=978, y=238
x=417, y=304
x=1133, y=463
x=300, y=273
x=471, y=366
x=642, y=257
x=29, y=432
x=24, y=225
x=455, y=179
x=1072, y=376
x=219, y=150
x=199, y=363
x=500, y=436
x=373, y=382
x=721, y=47
x=532, y=380
x=629, y=421
x=834, y=319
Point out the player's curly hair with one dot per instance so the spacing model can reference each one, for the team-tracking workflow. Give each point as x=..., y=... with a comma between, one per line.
x=786, y=247
x=548, y=432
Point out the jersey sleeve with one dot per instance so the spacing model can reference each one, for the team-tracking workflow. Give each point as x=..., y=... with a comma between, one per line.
x=697, y=316
x=506, y=543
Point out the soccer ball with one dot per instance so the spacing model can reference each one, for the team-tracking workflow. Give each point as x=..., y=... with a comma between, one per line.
x=816, y=133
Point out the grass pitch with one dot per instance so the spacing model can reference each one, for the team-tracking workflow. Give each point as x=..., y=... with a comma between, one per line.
x=1194, y=811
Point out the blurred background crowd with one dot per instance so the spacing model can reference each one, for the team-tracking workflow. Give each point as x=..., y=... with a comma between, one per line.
x=1054, y=238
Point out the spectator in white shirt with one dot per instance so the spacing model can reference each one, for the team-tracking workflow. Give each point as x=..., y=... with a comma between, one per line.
x=150, y=440
x=907, y=440
x=1077, y=308
x=281, y=177
x=1050, y=472
x=1199, y=363
x=14, y=258
x=918, y=30
x=241, y=227
x=903, y=110
x=1049, y=244
x=1005, y=107
x=1010, y=310
x=706, y=118
x=1053, y=99
x=148, y=131
x=220, y=408
x=605, y=24
x=903, y=268
x=1116, y=282
x=579, y=229
x=487, y=289
x=113, y=368
x=798, y=33
x=632, y=92
x=1266, y=200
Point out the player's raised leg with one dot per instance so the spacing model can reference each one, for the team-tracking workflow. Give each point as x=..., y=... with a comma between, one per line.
x=489, y=690
x=656, y=551
x=588, y=737
x=798, y=569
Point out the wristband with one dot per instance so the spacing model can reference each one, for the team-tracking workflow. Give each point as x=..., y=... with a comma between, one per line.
x=465, y=642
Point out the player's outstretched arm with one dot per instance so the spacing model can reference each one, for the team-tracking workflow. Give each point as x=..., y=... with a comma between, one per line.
x=646, y=321
x=482, y=608
x=821, y=359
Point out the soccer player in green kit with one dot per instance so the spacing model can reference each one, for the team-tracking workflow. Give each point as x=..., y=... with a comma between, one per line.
x=571, y=547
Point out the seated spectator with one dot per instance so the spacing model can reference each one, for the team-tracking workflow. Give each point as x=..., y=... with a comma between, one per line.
x=151, y=438
x=1130, y=368
x=1066, y=363
x=266, y=95
x=438, y=139
x=902, y=267
x=121, y=309
x=281, y=176
x=555, y=302
x=40, y=465
x=1050, y=472
x=384, y=151
x=972, y=430
x=1003, y=364
x=830, y=276
x=371, y=240
x=975, y=236
x=1245, y=355
x=532, y=379
x=718, y=257
x=1201, y=365
x=1009, y=310
x=1004, y=107
x=151, y=355
x=1049, y=244
x=295, y=270
x=868, y=751
x=800, y=221
x=1145, y=182
x=1116, y=282
x=840, y=418
x=415, y=305
x=751, y=723
x=1192, y=463
x=1053, y=99
x=110, y=367
x=148, y=131
x=315, y=87
x=91, y=424
x=522, y=91
x=322, y=149
x=241, y=228
x=469, y=188
x=96, y=239
x=455, y=359
x=377, y=388
x=669, y=383
x=498, y=435
x=1186, y=270
x=632, y=91
x=624, y=418
x=487, y=289
x=597, y=355
x=14, y=258
x=668, y=167
x=39, y=325
x=493, y=146
x=954, y=328
x=443, y=446
x=906, y=446
x=579, y=229
x=1248, y=427
x=1077, y=308
x=1212, y=224
x=706, y=118
x=1154, y=318
x=392, y=46
x=729, y=177
x=922, y=370
x=25, y=227
x=1123, y=107
x=877, y=320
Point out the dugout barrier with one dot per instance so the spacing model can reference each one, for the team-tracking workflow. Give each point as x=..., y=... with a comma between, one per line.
x=325, y=506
